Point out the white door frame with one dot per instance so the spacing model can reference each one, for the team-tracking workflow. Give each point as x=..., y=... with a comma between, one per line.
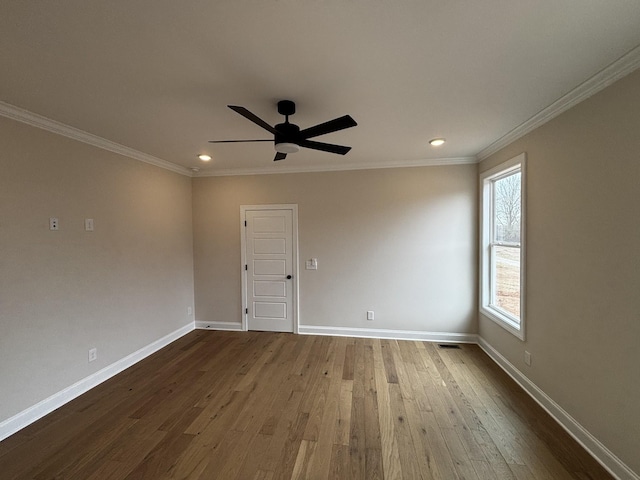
x=243, y=257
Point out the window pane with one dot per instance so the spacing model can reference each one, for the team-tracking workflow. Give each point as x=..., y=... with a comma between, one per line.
x=507, y=209
x=507, y=279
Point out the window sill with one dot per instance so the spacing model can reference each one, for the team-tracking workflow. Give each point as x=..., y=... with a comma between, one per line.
x=504, y=321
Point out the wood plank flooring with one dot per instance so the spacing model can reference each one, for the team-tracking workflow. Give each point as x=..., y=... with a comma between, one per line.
x=264, y=406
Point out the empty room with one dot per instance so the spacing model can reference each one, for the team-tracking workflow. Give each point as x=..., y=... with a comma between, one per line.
x=319, y=239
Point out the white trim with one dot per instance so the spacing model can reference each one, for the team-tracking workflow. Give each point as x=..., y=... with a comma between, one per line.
x=228, y=326
x=243, y=257
x=35, y=412
x=485, y=210
x=591, y=444
x=53, y=126
x=274, y=169
x=605, y=77
x=442, y=337
x=243, y=272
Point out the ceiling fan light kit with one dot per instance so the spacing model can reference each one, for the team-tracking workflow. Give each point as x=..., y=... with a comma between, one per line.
x=288, y=138
x=286, y=147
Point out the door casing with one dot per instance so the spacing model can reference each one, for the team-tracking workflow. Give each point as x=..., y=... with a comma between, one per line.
x=243, y=258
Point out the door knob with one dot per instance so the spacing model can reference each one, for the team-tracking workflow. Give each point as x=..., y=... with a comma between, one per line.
x=289, y=277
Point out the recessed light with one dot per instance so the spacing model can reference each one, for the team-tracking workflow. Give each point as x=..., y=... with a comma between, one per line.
x=204, y=157
x=436, y=142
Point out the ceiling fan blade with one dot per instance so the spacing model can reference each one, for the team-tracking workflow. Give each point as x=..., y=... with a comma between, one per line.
x=254, y=118
x=280, y=156
x=327, y=127
x=325, y=147
x=240, y=141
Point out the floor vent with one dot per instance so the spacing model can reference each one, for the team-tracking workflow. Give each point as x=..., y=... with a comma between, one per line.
x=448, y=345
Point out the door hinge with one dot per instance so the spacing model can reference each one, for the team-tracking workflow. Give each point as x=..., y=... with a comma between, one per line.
x=246, y=310
x=246, y=267
x=245, y=223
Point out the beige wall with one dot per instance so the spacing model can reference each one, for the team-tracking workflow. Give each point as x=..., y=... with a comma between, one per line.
x=583, y=268
x=119, y=288
x=401, y=242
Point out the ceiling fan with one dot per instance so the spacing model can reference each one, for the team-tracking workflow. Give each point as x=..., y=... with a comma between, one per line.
x=288, y=138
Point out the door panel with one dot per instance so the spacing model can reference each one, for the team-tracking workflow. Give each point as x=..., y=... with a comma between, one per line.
x=269, y=257
x=269, y=267
x=268, y=224
x=270, y=310
x=269, y=289
x=269, y=245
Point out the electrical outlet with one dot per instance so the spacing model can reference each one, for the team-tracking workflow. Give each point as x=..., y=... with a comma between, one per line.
x=189, y=311
x=527, y=358
x=370, y=315
x=93, y=354
x=54, y=224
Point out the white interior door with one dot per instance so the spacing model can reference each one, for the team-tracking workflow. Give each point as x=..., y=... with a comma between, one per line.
x=269, y=246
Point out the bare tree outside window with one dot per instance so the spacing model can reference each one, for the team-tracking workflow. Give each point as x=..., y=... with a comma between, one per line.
x=508, y=208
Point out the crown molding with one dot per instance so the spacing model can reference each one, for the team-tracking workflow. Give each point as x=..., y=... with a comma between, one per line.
x=53, y=126
x=605, y=77
x=433, y=162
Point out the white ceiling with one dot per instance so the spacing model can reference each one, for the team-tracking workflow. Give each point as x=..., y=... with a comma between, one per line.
x=156, y=76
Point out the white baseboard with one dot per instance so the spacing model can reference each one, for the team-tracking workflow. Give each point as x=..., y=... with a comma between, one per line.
x=232, y=326
x=442, y=337
x=26, y=417
x=602, y=454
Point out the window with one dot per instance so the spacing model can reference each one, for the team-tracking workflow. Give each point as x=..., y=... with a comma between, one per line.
x=502, y=244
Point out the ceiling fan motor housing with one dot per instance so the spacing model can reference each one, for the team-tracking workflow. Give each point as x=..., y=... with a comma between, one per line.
x=286, y=140
x=287, y=132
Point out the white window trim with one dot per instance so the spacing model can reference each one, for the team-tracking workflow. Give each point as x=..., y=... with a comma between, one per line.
x=486, y=218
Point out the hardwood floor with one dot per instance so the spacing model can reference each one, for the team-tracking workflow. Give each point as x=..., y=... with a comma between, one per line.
x=262, y=406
